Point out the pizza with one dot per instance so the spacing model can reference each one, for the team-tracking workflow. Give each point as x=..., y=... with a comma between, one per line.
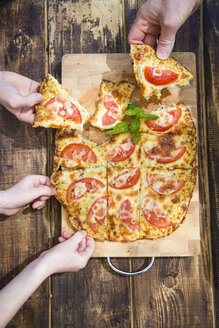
x=73, y=150
x=113, y=101
x=58, y=109
x=123, y=209
x=153, y=74
x=168, y=151
x=175, y=119
x=121, y=151
x=83, y=194
x=164, y=200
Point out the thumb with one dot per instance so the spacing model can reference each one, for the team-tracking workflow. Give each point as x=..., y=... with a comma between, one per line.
x=42, y=191
x=166, y=42
x=28, y=101
x=77, y=238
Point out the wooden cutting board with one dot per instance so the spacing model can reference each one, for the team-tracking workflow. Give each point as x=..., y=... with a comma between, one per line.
x=82, y=75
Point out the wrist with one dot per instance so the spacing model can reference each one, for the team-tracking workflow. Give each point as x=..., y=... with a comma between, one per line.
x=4, y=202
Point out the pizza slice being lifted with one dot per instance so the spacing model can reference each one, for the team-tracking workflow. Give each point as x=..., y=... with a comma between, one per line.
x=58, y=109
x=153, y=74
x=113, y=101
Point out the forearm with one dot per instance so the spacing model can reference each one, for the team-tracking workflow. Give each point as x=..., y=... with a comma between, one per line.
x=3, y=202
x=15, y=294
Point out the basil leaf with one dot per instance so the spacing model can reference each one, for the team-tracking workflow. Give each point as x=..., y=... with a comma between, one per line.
x=135, y=136
x=147, y=116
x=118, y=128
x=135, y=125
x=132, y=110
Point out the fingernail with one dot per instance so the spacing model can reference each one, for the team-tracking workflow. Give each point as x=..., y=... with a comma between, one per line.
x=84, y=232
x=162, y=54
x=53, y=191
x=39, y=97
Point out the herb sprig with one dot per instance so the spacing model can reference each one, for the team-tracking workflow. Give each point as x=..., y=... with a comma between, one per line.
x=134, y=126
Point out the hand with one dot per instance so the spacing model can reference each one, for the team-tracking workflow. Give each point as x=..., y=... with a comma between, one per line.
x=160, y=20
x=19, y=95
x=35, y=189
x=71, y=255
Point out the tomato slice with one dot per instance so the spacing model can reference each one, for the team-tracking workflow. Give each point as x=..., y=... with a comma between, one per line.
x=125, y=214
x=121, y=152
x=165, y=121
x=80, y=152
x=112, y=113
x=126, y=179
x=79, y=188
x=64, y=108
x=177, y=153
x=164, y=185
x=153, y=215
x=157, y=76
x=97, y=213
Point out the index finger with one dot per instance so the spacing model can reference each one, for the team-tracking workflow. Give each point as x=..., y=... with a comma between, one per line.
x=89, y=248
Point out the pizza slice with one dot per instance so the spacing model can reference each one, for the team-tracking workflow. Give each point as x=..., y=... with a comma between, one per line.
x=123, y=208
x=153, y=74
x=58, y=109
x=121, y=151
x=175, y=119
x=73, y=150
x=164, y=201
x=83, y=194
x=113, y=101
x=168, y=151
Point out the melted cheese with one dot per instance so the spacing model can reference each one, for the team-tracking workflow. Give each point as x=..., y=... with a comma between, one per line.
x=164, y=119
x=99, y=209
x=80, y=189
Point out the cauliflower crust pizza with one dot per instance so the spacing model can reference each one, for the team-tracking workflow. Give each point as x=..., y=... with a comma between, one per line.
x=58, y=109
x=113, y=101
x=153, y=74
x=73, y=150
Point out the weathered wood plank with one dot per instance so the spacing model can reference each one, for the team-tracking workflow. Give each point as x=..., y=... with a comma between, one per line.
x=93, y=297
x=177, y=292
x=23, y=151
x=211, y=54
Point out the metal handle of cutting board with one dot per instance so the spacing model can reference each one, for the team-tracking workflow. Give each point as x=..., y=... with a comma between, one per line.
x=127, y=274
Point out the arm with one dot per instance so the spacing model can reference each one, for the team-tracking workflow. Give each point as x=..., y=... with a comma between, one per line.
x=19, y=95
x=69, y=256
x=157, y=22
x=35, y=189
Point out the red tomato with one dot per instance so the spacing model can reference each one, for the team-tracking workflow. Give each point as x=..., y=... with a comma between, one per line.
x=126, y=179
x=172, y=117
x=112, y=114
x=177, y=154
x=64, y=108
x=79, y=188
x=164, y=185
x=97, y=213
x=80, y=152
x=125, y=215
x=121, y=152
x=153, y=215
x=157, y=76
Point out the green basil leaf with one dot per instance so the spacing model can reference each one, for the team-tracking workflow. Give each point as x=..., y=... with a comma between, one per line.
x=132, y=110
x=135, y=125
x=147, y=116
x=135, y=136
x=119, y=128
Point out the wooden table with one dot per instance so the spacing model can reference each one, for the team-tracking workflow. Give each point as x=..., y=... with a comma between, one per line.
x=176, y=292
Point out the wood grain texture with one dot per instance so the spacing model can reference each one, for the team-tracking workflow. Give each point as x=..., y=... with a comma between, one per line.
x=82, y=75
x=23, y=151
x=93, y=297
x=178, y=292
x=211, y=54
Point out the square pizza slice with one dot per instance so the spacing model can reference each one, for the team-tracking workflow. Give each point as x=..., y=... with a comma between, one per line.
x=168, y=150
x=83, y=193
x=153, y=74
x=113, y=101
x=73, y=150
x=175, y=119
x=123, y=206
x=121, y=151
x=58, y=109
x=164, y=201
